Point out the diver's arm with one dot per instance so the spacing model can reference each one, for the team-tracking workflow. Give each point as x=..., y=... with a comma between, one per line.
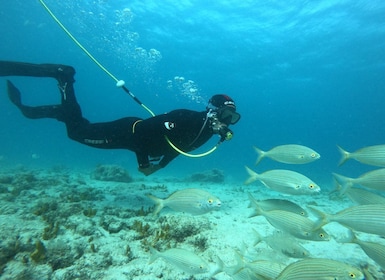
x=145, y=166
x=142, y=160
x=167, y=158
x=149, y=169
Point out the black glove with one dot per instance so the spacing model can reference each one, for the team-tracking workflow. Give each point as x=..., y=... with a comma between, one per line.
x=149, y=169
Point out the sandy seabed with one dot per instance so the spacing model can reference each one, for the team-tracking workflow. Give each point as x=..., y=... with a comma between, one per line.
x=63, y=224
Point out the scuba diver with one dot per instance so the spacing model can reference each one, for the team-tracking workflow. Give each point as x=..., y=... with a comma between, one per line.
x=151, y=139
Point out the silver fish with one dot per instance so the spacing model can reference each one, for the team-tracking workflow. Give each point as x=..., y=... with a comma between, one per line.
x=243, y=270
x=375, y=251
x=320, y=269
x=282, y=204
x=243, y=274
x=183, y=259
x=291, y=154
x=285, y=181
x=372, y=155
x=294, y=224
x=368, y=218
x=361, y=196
x=374, y=179
x=283, y=243
x=193, y=201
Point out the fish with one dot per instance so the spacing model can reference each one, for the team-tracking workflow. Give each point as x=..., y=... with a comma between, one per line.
x=284, y=181
x=371, y=155
x=361, y=196
x=182, y=259
x=291, y=154
x=283, y=243
x=193, y=201
x=368, y=218
x=255, y=270
x=265, y=269
x=320, y=269
x=294, y=224
x=282, y=204
x=244, y=274
x=375, y=251
x=366, y=270
x=374, y=179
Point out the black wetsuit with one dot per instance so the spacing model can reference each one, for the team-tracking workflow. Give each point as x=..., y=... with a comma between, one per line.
x=146, y=137
x=186, y=129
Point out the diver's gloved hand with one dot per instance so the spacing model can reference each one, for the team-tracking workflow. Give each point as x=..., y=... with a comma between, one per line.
x=150, y=169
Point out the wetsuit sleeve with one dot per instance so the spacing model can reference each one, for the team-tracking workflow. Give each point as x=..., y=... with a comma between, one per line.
x=142, y=159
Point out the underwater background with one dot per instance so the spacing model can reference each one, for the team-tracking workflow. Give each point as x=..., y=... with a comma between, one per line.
x=301, y=72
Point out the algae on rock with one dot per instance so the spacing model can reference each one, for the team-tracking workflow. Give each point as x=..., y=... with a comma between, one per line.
x=39, y=253
x=112, y=173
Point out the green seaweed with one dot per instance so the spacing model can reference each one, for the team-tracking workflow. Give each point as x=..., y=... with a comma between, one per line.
x=51, y=231
x=89, y=212
x=144, y=230
x=43, y=208
x=39, y=253
x=143, y=212
x=128, y=253
x=93, y=248
x=87, y=194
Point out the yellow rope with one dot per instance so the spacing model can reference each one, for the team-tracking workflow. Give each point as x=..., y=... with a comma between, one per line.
x=77, y=42
x=119, y=82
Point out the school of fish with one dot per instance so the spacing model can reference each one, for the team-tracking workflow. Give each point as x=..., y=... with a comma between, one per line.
x=292, y=222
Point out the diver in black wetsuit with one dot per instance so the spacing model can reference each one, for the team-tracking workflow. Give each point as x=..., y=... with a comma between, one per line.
x=185, y=129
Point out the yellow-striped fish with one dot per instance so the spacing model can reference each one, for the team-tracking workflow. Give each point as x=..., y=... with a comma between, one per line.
x=320, y=269
x=282, y=204
x=285, y=181
x=182, y=259
x=294, y=224
x=265, y=269
x=368, y=218
x=283, y=243
x=260, y=269
x=361, y=196
x=291, y=154
x=193, y=201
x=375, y=251
x=374, y=179
x=372, y=155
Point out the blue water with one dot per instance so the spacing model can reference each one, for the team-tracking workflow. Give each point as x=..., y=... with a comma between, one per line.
x=304, y=72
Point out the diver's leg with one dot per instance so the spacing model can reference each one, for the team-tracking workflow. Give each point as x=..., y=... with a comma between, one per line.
x=57, y=71
x=69, y=108
x=38, y=112
x=107, y=135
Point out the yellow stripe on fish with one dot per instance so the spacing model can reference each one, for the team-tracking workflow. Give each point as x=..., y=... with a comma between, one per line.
x=294, y=224
x=285, y=181
x=320, y=269
x=282, y=204
x=182, y=259
x=290, y=153
x=193, y=201
x=283, y=243
x=260, y=269
x=368, y=218
x=375, y=251
x=374, y=179
x=361, y=196
x=372, y=155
